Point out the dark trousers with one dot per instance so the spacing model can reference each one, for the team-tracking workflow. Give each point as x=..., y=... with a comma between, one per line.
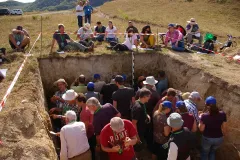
x=88, y=18
x=92, y=143
x=118, y=46
x=80, y=21
x=159, y=151
x=86, y=43
x=100, y=38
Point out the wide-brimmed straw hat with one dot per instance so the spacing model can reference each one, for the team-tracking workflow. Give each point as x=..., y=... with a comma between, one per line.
x=69, y=95
x=192, y=21
x=60, y=81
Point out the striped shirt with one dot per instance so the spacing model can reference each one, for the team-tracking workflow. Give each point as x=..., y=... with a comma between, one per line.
x=192, y=109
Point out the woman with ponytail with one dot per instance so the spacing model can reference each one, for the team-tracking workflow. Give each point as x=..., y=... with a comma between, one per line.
x=161, y=130
x=213, y=126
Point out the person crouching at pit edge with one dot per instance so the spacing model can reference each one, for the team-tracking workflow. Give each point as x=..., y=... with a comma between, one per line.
x=127, y=45
x=65, y=43
x=175, y=37
x=74, y=142
x=118, y=138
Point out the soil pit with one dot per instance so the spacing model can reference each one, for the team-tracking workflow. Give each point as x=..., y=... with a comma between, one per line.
x=181, y=76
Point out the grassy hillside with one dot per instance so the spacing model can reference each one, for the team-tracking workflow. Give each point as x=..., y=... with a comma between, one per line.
x=55, y=5
x=13, y=4
x=219, y=18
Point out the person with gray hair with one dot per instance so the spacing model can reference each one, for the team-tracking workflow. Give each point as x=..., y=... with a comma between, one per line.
x=118, y=138
x=191, y=104
x=102, y=114
x=74, y=142
x=181, y=140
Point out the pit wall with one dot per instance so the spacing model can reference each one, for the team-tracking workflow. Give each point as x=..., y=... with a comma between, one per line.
x=181, y=76
x=24, y=122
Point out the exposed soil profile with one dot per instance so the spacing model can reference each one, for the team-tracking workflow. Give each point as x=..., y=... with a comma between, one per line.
x=24, y=124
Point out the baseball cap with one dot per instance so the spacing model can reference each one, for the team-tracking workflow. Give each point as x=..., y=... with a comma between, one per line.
x=119, y=78
x=171, y=25
x=210, y=100
x=96, y=76
x=175, y=120
x=90, y=85
x=167, y=104
x=180, y=104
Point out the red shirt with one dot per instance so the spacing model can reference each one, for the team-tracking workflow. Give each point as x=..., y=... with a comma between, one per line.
x=107, y=136
x=86, y=116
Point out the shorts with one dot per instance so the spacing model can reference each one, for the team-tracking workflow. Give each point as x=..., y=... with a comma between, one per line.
x=13, y=46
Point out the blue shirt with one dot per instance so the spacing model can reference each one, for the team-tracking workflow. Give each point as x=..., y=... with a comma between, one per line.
x=162, y=86
x=88, y=10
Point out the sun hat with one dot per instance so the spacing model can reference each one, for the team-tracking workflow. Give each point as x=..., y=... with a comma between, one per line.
x=117, y=124
x=96, y=76
x=180, y=104
x=69, y=95
x=192, y=21
x=186, y=95
x=87, y=26
x=60, y=81
x=119, y=78
x=195, y=95
x=167, y=104
x=210, y=100
x=90, y=85
x=150, y=80
x=175, y=120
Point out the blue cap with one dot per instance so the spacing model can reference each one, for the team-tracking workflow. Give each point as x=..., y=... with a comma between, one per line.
x=211, y=100
x=167, y=104
x=180, y=104
x=96, y=76
x=124, y=77
x=90, y=85
x=171, y=25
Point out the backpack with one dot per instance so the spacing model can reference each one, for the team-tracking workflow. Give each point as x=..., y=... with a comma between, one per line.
x=181, y=29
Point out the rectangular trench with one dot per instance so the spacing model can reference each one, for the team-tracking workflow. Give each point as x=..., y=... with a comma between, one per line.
x=181, y=76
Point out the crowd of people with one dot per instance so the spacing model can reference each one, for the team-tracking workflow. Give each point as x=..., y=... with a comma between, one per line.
x=88, y=35
x=99, y=120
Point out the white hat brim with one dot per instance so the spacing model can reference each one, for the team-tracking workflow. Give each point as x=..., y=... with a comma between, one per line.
x=67, y=98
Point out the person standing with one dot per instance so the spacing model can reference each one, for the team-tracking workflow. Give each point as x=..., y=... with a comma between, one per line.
x=80, y=13
x=213, y=125
x=98, y=83
x=118, y=138
x=90, y=91
x=191, y=104
x=162, y=84
x=74, y=142
x=161, y=131
x=181, y=140
x=87, y=118
x=107, y=91
x=88, y=10
x=140, y=118
x=79, y=85
x=123, y=98
x=101, y=117
x=188, y=119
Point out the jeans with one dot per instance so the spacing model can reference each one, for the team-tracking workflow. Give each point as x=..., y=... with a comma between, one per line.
x=180, y=46
x=80, y=21
x=100, y=38
x=111, y=40
x=75, y=46
x=88, y=18
x=209, y=147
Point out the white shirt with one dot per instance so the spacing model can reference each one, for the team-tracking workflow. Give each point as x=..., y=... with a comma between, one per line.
x=81, y=9
x=110, y=32
x=84, y=34
x=73, y=140
x=173, y=152
x=129, y=42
